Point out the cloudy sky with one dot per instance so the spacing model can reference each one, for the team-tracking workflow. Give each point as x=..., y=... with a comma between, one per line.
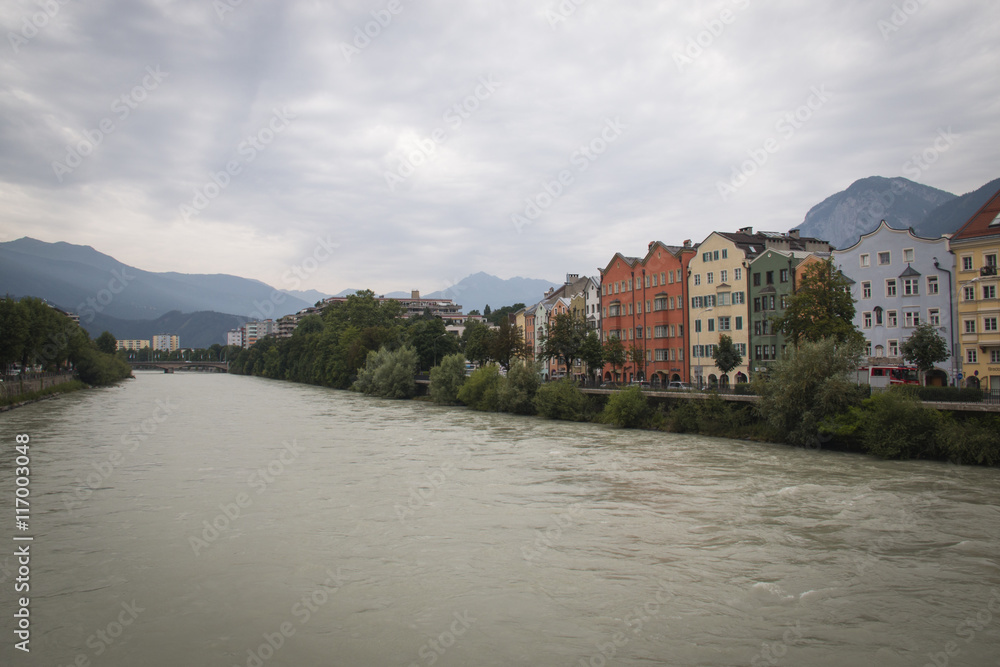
x=429, y=140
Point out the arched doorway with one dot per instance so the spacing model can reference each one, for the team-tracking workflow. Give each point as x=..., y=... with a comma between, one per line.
x=675, y=378
x=741, y=378
x=724, y=381
x=713, y=381
x=972, y=381
x=936, y=378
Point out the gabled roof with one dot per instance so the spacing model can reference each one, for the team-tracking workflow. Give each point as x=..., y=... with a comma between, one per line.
x=909, y=271
x=884, y=227
x=985, y=222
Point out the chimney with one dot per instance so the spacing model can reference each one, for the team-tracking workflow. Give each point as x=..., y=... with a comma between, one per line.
x=794, y=233
x=687, y=243
x=415, y=294
x=572, y=278
x=746, y=230
x=650, y=246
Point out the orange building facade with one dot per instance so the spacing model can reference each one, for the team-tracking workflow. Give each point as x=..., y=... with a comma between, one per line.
x=644, y=305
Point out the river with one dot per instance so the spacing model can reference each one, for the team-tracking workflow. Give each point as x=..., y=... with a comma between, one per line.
x=206, y=519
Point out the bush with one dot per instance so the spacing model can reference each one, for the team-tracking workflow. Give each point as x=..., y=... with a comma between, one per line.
x=683, y=418
x=481, y=389
x=389, y=374
x=561, y=400
x=628, y=408
x=950, y=394
x=974, y=440
x=447, y=379
x=894, y=425
x=517, y=391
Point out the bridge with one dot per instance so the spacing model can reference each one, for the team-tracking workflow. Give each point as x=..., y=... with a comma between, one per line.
x=171, y=366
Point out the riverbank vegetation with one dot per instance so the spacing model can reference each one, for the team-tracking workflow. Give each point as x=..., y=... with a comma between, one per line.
x=32, y=396
x=34, y=335
x=809, y=399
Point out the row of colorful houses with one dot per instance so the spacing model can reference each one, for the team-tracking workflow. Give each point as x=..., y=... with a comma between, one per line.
x=672, y=304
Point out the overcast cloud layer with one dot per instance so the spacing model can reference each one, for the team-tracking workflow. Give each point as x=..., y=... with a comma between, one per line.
x=228, y=136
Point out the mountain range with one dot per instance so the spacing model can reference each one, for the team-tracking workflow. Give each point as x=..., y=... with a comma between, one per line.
x=842, y=218
x=110, y=295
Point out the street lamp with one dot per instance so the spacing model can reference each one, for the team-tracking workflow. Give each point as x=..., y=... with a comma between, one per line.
x=701, y=352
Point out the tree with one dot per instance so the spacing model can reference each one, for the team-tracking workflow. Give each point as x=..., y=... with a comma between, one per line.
x=487, y=311
x=431, y=340
x=106, y=343
x=495, y=316
x=517, y=392
x=614, y=354
x=812, y=384
x=564, y=339
x=13, y=331
x=637, y=356
x=389, y=374
x=592, y=353
x=476, y=340
x=447, y=379
x=726, y=356
x=821, y=307
x=506, y=343
x=925, y=348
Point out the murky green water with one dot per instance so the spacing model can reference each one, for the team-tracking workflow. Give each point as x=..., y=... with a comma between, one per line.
x=264, y=523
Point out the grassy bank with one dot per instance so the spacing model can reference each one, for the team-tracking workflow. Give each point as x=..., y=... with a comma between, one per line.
x=11, y=402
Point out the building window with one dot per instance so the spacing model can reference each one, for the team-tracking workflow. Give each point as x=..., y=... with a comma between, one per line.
x=723, y=298
x=890, y=287
x=932, y=285
x=756, y=304
x=934, y=317
x=866, y=320
x=697, y=326
x=912, y=319
x=724, y=323
x=738, y=274
x=638, y=333
x=883, y=259
x=723, y=275
x=725, y=253
x=696, y=302
x=742, y=349
x=995, y=354
x=970, y=326
x=697, y=279
x=739, y=323
x=893, y=348
x=908, y=254
x=989, y=291
x=715, y=255
x=710, y=277
x=648, y=309
x=645, y=281
x=967, y=263
x=660, y=303
x=865, y=261
x=783, y=275
x=738, y=298
x=660, y=331
x=990, y=260
x=868, y=348
x=769, y=277
x=969, y=293
x=971, y=356
x=711, y=324
x=866, y=289
x=663, y=277
x=989, y=324
x=709, y=300
x=655, y=280
x=890, y=318
x=911, y=287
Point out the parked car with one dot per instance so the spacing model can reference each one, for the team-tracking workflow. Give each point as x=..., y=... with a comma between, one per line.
x=683, y=386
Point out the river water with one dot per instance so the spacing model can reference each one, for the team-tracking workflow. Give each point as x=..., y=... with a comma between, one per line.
x=205, y=519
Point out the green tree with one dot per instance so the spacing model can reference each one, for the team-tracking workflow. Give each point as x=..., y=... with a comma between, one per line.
x=476, y=340
x=506, y=343
x=496, y=316
x=389, y=373
x=561, y=400
x=13, y=331
x=447, y=379
x=812, y=384
x=592, y=354
x=637, y=356
x=614, y=354
x=726, y=356
x=628, y=408
x=106, y=343
x=821, y=307
x=481, y=390
x=431, y=340
x=564, y=340
x=925, y=347
x=517, y=392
